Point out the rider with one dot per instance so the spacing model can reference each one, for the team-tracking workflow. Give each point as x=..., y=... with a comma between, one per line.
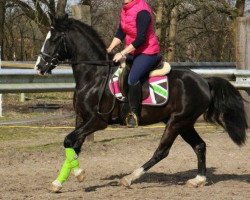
x=142, y=48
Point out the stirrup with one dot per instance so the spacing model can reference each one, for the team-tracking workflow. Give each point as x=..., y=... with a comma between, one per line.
x=131, y=120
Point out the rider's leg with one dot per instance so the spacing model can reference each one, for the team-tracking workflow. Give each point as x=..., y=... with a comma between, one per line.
x=141, y=66
x=134, y=98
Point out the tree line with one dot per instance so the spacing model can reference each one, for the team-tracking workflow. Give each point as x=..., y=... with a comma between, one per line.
x=188, y=30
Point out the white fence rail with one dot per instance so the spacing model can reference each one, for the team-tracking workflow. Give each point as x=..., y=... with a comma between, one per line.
x=61, y=80
x=27, y=80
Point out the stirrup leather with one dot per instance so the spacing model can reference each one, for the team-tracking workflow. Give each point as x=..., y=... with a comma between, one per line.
x=128, y=120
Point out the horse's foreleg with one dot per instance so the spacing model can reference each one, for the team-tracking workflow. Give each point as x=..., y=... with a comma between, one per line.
x=70, y=164
x=199, y=147
x=161, y=152
x=72, y=144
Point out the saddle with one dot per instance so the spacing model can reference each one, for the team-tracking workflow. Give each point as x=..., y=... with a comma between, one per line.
x=154, y=87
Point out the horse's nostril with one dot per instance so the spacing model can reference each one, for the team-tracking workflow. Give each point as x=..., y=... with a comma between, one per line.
x=38, y=67
x=39, y=72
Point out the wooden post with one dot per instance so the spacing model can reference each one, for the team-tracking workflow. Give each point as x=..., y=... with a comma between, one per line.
x=83, y=14
x=243, y=53
x=22, y=97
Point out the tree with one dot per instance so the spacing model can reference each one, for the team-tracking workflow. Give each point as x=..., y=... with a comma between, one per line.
x=37, y=10
x=60, y=9
x=86, y=2
x=197, y=30
x=170, y=53
x=159, y=19
x=2, y=19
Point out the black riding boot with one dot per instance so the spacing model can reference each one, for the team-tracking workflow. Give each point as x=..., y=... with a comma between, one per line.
x=134, y=98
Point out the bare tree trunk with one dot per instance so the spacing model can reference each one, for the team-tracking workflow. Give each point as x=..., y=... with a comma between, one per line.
x=60, y=9
x=240, y=6
x=159, y=14
x=86, y=2
x=2, y=18
x=170, y=53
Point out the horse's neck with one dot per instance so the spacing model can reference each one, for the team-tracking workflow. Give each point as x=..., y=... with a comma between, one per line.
x=84, y=49
x=87, y=50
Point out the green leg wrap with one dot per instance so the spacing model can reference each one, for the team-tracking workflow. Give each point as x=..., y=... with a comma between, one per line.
x=70, y=163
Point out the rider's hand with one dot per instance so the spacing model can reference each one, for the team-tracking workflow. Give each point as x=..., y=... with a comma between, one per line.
x=118, y=57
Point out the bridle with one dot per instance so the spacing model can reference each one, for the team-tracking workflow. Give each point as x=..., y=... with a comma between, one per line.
x=54, y=60
x=51, y=61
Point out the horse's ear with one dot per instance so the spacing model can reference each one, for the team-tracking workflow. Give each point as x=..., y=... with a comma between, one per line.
x=52, y=19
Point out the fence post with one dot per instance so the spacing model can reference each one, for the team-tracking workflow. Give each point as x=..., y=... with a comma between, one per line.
x=243, y=52
x=1, y=100
x=22, y=97
x=83, y=14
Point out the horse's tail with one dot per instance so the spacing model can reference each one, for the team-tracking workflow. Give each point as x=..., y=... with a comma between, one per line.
x=227, y=109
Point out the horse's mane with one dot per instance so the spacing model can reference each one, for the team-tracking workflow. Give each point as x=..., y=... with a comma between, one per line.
x=70, y=23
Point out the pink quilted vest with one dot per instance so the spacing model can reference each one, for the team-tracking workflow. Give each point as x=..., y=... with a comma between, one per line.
x=128, y=23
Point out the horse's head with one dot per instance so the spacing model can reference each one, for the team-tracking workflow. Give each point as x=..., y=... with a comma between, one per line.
x=55, y=47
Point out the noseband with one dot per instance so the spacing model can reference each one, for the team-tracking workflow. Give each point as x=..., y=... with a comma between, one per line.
x=51, y=61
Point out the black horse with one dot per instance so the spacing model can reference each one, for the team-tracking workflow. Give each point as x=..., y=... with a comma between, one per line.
x=190, y=96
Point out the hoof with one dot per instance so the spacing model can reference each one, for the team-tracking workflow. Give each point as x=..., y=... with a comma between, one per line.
x=55, y=187
x=125, y=182
x=81, y=176
x=199, y=181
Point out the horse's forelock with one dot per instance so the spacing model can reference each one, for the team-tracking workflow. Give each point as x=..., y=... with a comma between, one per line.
x=62, y=24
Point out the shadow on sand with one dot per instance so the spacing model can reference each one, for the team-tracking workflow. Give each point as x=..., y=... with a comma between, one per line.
x=178, y=178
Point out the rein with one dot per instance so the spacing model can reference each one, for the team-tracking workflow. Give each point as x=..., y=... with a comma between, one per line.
x=110, y=65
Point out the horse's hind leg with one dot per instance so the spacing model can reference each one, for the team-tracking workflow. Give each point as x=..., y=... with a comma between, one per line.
x=199, y=146
x=161, y=152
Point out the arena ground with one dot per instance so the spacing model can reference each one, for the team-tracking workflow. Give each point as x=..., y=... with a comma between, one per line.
x=31, y=158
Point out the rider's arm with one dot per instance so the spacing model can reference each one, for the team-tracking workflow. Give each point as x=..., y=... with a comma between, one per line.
x=120, y=35
x=143, y=20
x=114, y=43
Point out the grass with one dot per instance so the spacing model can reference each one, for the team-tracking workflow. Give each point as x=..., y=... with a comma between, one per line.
x=40, y=137
x=30, y=139
x=16, y=134
x=44, y=147
x=15, y=111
